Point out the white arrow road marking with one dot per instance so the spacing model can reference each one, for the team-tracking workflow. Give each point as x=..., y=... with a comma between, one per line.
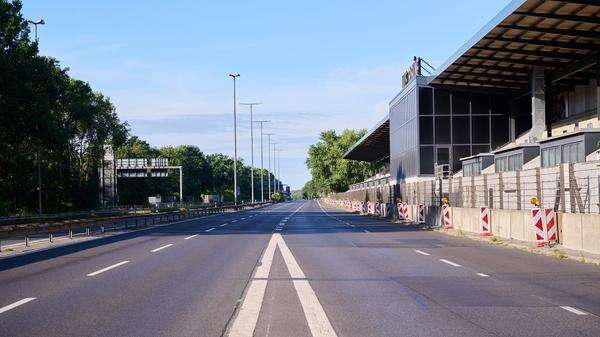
x=107, y=268
x=161, y=248
x=245, y=321
x=16, y=304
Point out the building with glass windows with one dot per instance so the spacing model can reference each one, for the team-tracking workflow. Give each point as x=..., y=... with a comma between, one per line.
x=522, y=89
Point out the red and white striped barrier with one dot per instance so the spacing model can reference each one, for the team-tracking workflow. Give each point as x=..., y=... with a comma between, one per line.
x=421, y=214
x=538, y=224
x=447, y=217
x=486, y=229
x=550, y=221
x=401, y=214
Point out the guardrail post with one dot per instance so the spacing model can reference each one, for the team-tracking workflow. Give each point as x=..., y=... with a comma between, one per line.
x=87, y=231
x=102, y=229
x=26, y=240
x=70, y=233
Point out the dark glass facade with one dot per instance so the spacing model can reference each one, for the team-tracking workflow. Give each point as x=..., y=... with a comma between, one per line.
x=430, y=125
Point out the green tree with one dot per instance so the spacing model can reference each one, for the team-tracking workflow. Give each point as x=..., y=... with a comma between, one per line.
x=329, y=170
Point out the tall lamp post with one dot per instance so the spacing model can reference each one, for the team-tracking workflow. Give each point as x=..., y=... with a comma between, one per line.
x=269, y=161
x=274, y=168
x=234, y=77
x=39, y=148
x=262, y=168
x=279, y=183
x=251, y=105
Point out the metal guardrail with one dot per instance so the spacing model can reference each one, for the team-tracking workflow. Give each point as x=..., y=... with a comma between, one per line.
x=115, y=210
x=123, y=222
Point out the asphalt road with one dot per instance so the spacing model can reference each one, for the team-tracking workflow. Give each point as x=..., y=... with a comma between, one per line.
x=295, y=269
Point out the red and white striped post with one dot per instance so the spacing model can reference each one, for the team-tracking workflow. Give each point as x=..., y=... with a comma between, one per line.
x=551, y=230
x=538, y=224
x=486, y=229
x=400, y=211
x=421, y=214
x=447, y=216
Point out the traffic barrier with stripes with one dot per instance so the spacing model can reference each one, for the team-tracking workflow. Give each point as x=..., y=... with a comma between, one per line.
x=486, y=229
x=421, y=214
x=447, y=216
x=538, y=224
x=402, y=211
x=550, y=222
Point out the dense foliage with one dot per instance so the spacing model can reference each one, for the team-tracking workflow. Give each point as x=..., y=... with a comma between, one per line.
x=44, y=110
x=202, y=174
x=329, y=170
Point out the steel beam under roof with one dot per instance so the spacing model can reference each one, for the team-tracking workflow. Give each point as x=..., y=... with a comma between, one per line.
x=374, y=146
x=561, y=36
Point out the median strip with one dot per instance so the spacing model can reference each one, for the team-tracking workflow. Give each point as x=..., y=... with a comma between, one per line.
x=108, y=268
x=161, y=248
x=16, y=304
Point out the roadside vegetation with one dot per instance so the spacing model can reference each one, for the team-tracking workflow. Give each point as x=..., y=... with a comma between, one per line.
x=43, y=110
x=330, y=172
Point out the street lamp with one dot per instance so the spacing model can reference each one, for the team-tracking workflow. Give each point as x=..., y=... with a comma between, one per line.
x=279, y=183
x=234, y=77
x=269, y=160
x=35, y=24
x=39, y=147
x=251, y=147
x=262, y=168
x=274, y=167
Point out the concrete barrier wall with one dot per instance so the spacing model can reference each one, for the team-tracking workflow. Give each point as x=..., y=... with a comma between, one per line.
x=580, y=231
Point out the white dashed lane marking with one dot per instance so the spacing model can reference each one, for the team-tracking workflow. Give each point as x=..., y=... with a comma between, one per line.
x=210, y=229
x=161, y=248
x=450, y=263
x=107, y=268
x=191, y=237
x=422, y=252
x=16, y=304
x=483, y=275
x=575, y=311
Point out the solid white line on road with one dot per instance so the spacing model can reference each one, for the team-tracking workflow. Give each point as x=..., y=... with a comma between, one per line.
x=16, y=304
x=210, y=229
x=574, y=310
x=451, y=263
x=223, y=225
x=191, y=237
x=483, y=275
x=245, y=321
x=161, y=248
x=422, y=252
x=313, y=310
x=107, y=268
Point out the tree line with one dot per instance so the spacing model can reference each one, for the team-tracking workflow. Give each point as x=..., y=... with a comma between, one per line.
x=330, y=172
x=61, y=123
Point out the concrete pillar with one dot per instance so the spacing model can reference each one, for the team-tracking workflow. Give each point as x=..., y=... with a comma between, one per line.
x=538, y=104
x=512, y=117
x=598, y=85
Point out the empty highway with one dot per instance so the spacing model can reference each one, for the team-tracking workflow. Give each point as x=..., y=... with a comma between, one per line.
x=295, y=269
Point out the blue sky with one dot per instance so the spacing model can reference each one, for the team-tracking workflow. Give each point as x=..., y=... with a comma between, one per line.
x=315, y=65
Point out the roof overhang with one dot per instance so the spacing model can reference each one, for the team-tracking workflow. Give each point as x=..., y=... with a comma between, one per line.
x=561, y=36
x=373, y=146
